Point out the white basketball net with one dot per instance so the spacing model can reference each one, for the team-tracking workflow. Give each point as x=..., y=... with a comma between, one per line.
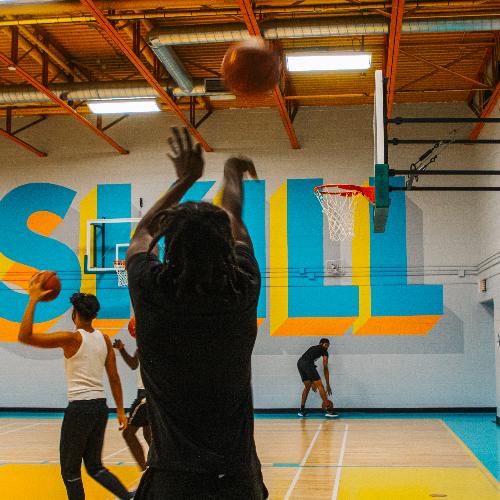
x=339, y=207
x=121, y=272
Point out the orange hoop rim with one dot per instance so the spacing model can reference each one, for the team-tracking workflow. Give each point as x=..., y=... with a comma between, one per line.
x=350, y=190
x=119, y=263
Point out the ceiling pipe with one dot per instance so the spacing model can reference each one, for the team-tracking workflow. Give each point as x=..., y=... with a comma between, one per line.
x=86, y=91
x=313, y=28
x=161, y=40
x=232, y=32
x=175, y=68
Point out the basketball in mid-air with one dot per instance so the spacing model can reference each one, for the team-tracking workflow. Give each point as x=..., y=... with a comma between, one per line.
x=131, y=327
x=327, y=404
x=251, y=67
x=50, y=282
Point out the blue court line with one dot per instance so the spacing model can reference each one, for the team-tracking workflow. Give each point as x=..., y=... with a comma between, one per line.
x=30, y=415
x=20, y=414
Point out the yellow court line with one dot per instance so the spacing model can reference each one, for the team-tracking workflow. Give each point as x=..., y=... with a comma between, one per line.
x=493, y=480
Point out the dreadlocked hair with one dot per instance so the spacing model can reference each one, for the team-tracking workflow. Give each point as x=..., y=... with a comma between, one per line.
x=199, y=257
x=86, y=305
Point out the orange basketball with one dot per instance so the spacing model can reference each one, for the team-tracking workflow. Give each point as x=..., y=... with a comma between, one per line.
x=251, y=67
x=131, y=327
x=51, y=282
x=326, y=405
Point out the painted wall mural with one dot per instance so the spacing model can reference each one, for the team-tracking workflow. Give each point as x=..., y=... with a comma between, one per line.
x=379, y=300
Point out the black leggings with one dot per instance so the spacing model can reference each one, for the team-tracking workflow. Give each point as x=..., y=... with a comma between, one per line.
x=82, y=438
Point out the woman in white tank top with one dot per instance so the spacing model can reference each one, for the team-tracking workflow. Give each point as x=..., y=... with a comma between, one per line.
x=87, y=352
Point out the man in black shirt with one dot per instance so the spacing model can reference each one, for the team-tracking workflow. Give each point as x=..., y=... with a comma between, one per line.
x=196, y=325
x=310, y=376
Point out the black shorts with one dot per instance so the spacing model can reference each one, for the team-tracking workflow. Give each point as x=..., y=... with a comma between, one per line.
x=138, y=414
x=308, y=371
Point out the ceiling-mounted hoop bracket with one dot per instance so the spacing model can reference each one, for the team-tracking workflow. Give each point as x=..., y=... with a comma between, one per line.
x=349, y=190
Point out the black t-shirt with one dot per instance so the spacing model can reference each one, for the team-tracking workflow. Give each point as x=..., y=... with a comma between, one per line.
x=195, y=359
x=313, y=353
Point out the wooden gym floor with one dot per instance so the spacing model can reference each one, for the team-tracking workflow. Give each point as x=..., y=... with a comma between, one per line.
x=355, y=457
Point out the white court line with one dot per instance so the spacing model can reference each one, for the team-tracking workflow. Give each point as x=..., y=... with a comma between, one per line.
x=295, y=479
x=119, y=451
x=7, y=425
x=335, y=494
x=20, y=428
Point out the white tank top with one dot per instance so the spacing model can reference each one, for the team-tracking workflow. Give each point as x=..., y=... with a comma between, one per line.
x=84, y=369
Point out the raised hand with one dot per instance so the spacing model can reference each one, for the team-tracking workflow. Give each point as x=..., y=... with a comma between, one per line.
x=35, y=287
x=118, y=344
x=243, y=165
x=188, y=160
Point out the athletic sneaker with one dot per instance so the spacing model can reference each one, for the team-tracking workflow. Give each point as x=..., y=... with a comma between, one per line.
x=302, y=413
x=330, y=413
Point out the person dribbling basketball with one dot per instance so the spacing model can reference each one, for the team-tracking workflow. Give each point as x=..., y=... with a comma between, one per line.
x=311, y=378
x=196, y=326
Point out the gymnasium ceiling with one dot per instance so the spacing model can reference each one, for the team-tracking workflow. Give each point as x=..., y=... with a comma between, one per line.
x=432, y=51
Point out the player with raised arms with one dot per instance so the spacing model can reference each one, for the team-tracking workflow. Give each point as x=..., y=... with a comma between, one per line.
x=87, y=352
x=196, y=326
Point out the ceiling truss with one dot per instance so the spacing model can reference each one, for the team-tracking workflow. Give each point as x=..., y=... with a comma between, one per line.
x=87, y=42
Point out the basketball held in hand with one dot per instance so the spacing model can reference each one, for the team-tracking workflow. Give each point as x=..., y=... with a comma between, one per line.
x=131, y=327
x=327, y=404
x=251, y=67
x=50, y=282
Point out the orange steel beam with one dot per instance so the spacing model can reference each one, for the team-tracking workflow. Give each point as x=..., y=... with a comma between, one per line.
x=22, y=143
x=480, y=72
x=61, y=103
x=487, y=111
x=465, y=56
x=253, y=29
x=393, y=50
x=442, y=67
x=113, y=34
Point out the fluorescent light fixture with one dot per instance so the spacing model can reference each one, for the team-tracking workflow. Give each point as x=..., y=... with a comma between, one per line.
x=329, y=62
x=123, y=106
x=221, y=97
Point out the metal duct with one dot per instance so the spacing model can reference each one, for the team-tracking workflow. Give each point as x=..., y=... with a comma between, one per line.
x=230, y=32
x=312, y=28
x=160, y=39
x=174, y=66
x=12, y=94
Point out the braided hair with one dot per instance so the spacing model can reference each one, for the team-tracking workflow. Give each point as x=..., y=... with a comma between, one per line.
x=86, y=305
x=200, y=256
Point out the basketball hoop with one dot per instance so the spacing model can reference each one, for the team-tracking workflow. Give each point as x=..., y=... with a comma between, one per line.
x=340, y=207
x=121, y=272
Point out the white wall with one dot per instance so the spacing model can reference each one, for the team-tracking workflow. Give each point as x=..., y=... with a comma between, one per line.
x=458, y=231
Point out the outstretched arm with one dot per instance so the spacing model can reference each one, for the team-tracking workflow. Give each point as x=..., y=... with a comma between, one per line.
x=232, y=198
x=66, y=340
x=188, y=162
x=327, y=375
